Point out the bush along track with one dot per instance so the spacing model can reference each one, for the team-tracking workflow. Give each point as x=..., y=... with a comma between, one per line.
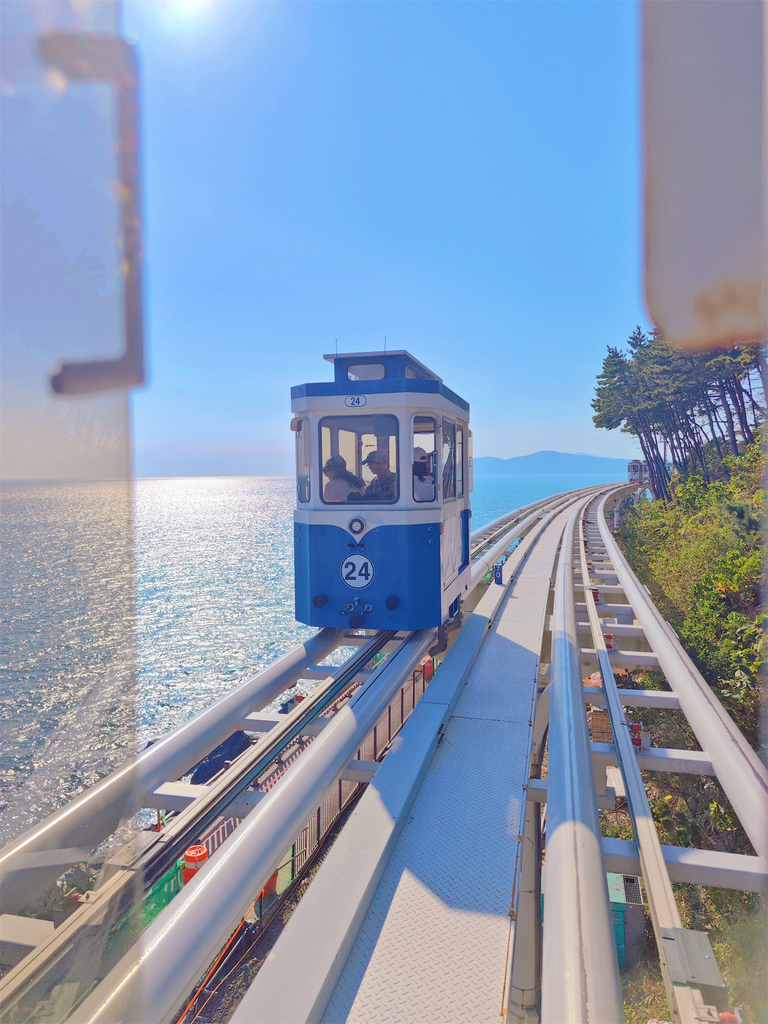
x=701, y=555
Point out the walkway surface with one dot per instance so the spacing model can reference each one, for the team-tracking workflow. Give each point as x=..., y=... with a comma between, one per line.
x=434, y=943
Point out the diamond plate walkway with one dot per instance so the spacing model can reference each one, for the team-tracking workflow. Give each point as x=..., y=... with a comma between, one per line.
x=434, y=944
x=431, y=941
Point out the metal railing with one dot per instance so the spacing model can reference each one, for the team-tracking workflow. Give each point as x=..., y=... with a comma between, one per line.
x=85, y=822
x=580, y=975
x=93, y=816
x=312, y=837
x=740, y=772
x=170, y=957
x=684, y=1001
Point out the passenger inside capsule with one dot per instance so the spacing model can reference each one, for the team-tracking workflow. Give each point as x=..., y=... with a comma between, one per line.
x=423, y=478
x=383, y=487
x=340, y=481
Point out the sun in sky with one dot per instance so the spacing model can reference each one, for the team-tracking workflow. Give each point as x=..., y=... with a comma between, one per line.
x=184, y=16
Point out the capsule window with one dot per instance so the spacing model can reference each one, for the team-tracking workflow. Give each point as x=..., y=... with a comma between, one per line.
x=303, y=451
x=359, y=459
x=449, y=460
x=365, y=371
x=459, y=461
x=424, y=459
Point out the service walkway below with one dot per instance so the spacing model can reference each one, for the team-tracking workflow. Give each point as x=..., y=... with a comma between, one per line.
x=432, y=942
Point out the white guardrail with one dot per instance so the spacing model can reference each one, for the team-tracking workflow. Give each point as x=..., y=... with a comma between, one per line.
x=580, y=974
x=739, y=770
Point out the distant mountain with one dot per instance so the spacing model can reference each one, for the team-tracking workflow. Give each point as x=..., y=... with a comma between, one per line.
x=552, y=462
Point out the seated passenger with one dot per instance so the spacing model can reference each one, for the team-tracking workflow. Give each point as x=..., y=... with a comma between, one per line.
x=383, y=487
x=340, y=481
x=423, y=479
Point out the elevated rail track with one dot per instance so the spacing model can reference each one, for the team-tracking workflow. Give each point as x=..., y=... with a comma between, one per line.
x=509, y=687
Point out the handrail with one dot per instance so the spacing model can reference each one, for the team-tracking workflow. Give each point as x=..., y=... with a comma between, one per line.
x=580, y=974
x=95, y=814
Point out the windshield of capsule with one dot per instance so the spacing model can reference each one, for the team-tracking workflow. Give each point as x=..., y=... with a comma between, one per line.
x=359, y=459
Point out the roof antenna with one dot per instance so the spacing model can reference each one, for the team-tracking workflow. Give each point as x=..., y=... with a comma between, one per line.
x=385, y=343
x=337, y=346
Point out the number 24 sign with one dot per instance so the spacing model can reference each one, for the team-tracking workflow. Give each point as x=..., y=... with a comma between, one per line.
x=357, y=571
x=355, y=401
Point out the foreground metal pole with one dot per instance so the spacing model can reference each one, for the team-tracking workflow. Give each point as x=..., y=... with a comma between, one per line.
x=150, y=983
x=84, y=823
x=524, y=984
x=525, y=968
x=739, y=770
x=580, y=973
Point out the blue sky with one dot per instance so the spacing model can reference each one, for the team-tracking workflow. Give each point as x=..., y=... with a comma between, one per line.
x=460, y=177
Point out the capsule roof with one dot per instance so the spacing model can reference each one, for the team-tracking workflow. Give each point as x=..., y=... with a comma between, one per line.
x=397, y=365
x=379, y=373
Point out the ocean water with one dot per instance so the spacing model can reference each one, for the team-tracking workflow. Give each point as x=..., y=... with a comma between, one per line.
x=495, y=494
x=128, y=608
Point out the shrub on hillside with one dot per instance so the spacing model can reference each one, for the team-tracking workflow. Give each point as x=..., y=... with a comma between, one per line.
x=701, y=554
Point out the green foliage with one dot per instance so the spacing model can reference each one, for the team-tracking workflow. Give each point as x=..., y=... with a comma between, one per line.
x=644, y=995
x=688, y=410
x=701, y=555
x=737, y=926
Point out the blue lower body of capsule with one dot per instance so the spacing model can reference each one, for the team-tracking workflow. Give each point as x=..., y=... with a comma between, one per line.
x=388, y=579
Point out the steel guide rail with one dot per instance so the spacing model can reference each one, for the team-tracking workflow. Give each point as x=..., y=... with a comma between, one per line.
x=146, y=861
x=39, y=856
x=689, y=970
x=204, y=811
x=125, y=990
x=686, y=1002
x=580, y=976
x=739, y=771
x=323, y=927
x=150, y=982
